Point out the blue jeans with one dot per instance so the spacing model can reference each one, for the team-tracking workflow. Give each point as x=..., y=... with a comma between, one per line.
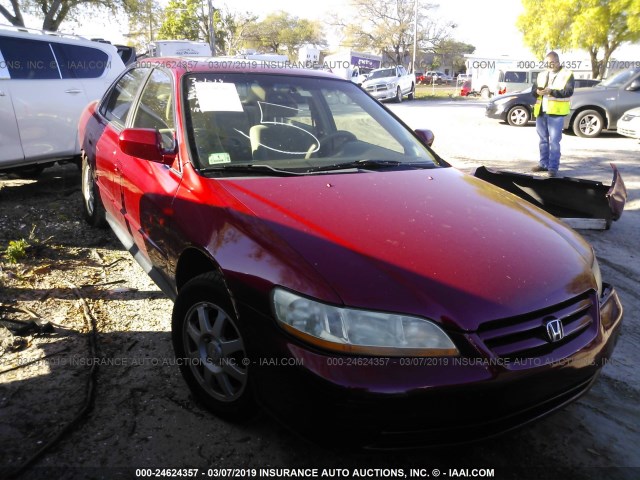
x=549, y=128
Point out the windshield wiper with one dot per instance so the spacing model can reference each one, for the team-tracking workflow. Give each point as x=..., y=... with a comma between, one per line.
x=369, y=164
x=250, y=168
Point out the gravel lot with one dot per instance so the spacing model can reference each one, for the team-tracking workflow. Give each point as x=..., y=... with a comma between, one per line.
x=100, y=304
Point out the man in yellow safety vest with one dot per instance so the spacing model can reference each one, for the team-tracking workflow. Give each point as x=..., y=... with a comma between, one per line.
x=553, y=89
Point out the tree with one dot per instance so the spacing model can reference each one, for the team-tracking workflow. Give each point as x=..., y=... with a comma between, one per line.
x=56, y=11
x=388, y=26
x=185, y=20
x=451, y=52
x=189, y=20
x=281, y=31
x=144, y=25
x=236, y=28
x=592, y=25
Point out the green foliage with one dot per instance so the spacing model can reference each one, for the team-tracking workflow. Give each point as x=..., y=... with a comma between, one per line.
x=284, y=33
x=592, y=25
x=451, y=52
x=184, y=20
x=16, y=250
x=55, y=12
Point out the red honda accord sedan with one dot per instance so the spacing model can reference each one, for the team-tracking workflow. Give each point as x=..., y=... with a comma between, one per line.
x=328, y=266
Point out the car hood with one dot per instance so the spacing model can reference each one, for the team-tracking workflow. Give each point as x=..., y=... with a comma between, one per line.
x=371, y=81
x=435, y=243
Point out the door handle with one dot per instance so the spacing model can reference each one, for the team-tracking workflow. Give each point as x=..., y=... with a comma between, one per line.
x=73, y=91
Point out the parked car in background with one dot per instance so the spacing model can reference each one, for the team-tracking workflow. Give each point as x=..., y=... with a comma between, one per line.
x=437, y=78
x=298, y=225
x=419, y=77
x=629, y=124
x=46, y=79
x=517, y=108
x=597, y=108
x=462, y=78
x=390, y=83
x=465, y=90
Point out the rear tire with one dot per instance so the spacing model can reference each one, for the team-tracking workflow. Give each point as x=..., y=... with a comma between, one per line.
x=398, y=95
x=588, y=124
x=485, y=93
x=412, y=92
x=92, y=208
x=210, y=344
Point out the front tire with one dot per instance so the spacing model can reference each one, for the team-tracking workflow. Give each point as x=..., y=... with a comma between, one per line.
x=518, y=116
x=92, y=208
x=588, y=124
x=210, y=345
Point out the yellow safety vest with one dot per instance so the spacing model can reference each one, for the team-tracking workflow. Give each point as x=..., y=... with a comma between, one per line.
x=555, y=106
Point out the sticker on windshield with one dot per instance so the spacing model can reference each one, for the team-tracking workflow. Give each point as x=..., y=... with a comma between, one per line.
x=218, y=97
x=219, y=158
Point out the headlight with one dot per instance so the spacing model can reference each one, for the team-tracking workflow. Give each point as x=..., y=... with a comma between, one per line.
x=595, y=268
x=349, y=330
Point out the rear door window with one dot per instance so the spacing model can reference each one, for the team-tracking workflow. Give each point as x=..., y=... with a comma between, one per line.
x=29, y=59
x=76, y=61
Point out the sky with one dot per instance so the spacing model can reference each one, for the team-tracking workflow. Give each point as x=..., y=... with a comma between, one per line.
x=489, y=25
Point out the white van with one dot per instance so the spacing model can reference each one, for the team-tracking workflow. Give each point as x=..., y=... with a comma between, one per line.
x=46, y=79
x=516, y=80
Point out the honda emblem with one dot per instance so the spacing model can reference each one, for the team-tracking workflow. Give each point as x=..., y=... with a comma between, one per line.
x=555, y=331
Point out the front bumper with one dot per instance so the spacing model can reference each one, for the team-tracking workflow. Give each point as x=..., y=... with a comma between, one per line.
x=495, y=111
x=629, y=129
x=380, y=92
x=388, y=403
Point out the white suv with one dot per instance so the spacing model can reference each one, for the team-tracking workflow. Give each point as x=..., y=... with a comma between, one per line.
x=46, y=79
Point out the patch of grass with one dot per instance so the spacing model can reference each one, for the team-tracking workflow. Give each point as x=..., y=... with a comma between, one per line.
x=439, y=92
x=16, y=250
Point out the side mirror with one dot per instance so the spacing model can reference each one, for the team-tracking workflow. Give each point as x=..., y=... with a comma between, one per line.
x=145, y=143
x=635, y=85
x=425, y=135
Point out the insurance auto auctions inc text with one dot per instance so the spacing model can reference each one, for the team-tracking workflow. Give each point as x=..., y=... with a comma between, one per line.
x=373, y=473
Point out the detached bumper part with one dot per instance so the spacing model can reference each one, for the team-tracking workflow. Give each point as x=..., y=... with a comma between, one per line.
x=580, y=203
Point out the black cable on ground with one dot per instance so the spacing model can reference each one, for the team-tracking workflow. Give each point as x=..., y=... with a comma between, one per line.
x=87, y=406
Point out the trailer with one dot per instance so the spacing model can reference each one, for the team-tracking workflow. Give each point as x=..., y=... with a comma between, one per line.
x=352, y=65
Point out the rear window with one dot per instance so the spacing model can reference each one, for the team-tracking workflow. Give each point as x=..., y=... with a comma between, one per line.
x=515, y=77
x=76, y=61
x=28, y=59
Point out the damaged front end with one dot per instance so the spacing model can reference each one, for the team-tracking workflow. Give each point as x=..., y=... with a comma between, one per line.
x=580, y=203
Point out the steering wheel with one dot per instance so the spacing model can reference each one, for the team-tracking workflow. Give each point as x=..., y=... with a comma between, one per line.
x=334, y=141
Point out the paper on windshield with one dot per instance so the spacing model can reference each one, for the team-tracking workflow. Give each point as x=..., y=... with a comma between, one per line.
x=218, y=97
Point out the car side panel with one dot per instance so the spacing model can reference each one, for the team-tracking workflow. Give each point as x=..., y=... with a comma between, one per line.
x=11, y=151
x=107, y=170
x=626, y=101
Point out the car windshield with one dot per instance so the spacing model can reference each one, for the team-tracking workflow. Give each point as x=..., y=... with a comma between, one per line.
x=619, y=79
x=387, y=72
x=300, y=125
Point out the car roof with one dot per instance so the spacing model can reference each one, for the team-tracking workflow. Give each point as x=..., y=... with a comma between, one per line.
x=185, y=65
x=55, y=37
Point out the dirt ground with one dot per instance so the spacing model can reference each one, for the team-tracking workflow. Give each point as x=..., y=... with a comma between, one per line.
x=77, y=296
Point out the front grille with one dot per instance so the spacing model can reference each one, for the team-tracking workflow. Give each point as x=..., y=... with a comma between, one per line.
x=525, y=339
x=624, y=131
x=380, y=87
